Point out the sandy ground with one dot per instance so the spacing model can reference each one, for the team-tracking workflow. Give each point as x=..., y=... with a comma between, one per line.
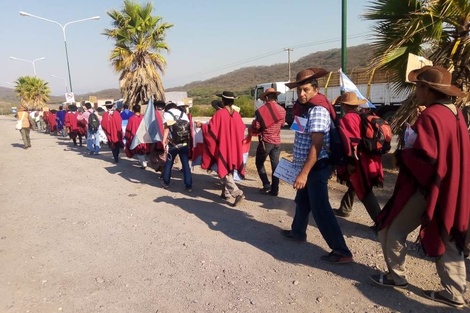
x=81, y=234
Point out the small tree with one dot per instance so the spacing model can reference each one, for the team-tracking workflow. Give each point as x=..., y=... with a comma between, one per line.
x=32, y=91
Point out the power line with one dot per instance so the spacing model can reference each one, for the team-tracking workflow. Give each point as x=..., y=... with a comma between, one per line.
x=268, y=54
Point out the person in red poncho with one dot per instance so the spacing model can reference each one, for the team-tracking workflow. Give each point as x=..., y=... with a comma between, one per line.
x=111, y=123
x=364, y=170
x=131, y=129
x=223, y=137
x=432, y=190
x=73, y=127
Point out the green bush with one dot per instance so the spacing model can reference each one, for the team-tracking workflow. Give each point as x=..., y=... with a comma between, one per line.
x=247, y=107
x=202, y=110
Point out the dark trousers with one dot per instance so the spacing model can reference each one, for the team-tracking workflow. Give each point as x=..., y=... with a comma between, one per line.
x=262, y=152
x=369, y=202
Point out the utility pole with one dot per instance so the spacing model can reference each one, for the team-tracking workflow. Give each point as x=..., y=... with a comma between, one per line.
x=288, y=58
x=344, y=35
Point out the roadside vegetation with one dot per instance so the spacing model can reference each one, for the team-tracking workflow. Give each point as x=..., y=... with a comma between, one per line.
x=33, y=92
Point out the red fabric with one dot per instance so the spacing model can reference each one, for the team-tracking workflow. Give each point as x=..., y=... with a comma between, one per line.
x=272, y=133
x=369, y=170
x=223, y=138
x=51, y=122
x=438, y=165
x=45, y=116
x=72, y=123
x=112, y=126
x=131, y=129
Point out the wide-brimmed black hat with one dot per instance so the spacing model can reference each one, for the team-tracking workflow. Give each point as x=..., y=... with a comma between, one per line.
x=227, y=95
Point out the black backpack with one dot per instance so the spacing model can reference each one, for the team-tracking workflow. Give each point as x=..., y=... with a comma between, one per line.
x=93, y=123
x=180, y=131
x=336, y=152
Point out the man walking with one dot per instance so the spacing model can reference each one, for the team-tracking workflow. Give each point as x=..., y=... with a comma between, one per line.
x=223, y=137
x=311, y=160
x=432, y=190
x=269, y=119
x=112, y=126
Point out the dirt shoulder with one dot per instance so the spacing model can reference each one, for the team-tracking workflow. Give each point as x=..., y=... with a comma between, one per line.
x=81, y=234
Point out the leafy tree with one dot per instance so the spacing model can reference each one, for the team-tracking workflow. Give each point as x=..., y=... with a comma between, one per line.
x=139, y=40
x=435, y=29
x=32, y=91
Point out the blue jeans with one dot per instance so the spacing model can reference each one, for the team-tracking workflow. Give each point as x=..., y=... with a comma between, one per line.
x=314, y=198
x=93, y=142
x=183, y=152
x=262, y=152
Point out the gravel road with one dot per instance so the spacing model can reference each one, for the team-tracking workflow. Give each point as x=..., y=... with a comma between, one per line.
x=81, y=234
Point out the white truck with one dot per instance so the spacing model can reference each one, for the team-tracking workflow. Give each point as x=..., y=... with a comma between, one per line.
x=380, y=94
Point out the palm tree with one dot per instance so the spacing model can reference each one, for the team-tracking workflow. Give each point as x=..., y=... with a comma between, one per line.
x=435, y=29
x=32, y=91
x=139, y=40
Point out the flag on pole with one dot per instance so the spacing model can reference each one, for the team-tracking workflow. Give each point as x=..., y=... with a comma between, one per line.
x=347, y=85
x=150, y=129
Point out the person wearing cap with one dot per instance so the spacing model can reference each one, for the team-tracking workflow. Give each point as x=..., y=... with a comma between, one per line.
x=432, y=190
x=111, y=123
x=311, y=160
x=269, y=119
x=364, y=170
x=173, y=113
x=74, y=128
x=223, y=137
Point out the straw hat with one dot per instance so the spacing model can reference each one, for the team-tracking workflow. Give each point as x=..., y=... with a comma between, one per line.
x=349, y=98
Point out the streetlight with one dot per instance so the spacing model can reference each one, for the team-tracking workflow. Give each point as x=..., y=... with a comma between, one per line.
x=65, y=82
x=32, y=62
x=65, y=38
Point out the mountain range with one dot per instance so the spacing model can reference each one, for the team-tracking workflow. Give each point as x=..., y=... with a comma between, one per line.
x=241, y=80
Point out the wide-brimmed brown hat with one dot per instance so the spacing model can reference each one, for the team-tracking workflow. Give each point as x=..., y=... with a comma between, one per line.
x=349, y=98
x=227, y=95
x=303, y=75
x=267, y=92
x=437, y=78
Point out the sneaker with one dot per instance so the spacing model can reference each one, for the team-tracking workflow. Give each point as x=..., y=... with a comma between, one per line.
x=223, y=196
x=189, y=189
x=336, y=258
x=287, y=234
x=435, y=296
x=382, y=280
x=273, y=193
x=238, y=199
x=165, y=186
x=265, y=190
x=339, y=212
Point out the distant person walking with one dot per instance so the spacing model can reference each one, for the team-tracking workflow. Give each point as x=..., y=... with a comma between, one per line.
x=112, y=126
x=269, y=119
x=131, y=129
x=23, y=119
x=223, y=139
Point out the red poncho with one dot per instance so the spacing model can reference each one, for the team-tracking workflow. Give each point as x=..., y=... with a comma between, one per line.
x=51, y=122
x=131, y=130
x=438, y=165
x=369, y=170
x=223, y=137
x=112, y=126
x=72, y=122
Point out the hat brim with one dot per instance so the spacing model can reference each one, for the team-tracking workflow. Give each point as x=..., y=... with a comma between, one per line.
x=223, y=96
x=317, y=73
x=264, y=95
x=449, y=90
x=352, y=102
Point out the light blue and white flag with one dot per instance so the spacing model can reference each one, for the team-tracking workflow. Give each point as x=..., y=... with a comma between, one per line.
x=347, y=85
x=150, y=129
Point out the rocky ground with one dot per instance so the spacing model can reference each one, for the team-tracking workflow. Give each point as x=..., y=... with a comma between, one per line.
x=81, y=234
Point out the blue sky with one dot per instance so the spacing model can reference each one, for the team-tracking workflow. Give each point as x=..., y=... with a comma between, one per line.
x=210, y=37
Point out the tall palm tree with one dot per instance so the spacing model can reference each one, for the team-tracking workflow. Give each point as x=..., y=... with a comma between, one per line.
x=435, y=29
x=32, y=91
x=139, y=40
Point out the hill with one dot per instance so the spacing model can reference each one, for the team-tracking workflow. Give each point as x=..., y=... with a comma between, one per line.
x=241, y=80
